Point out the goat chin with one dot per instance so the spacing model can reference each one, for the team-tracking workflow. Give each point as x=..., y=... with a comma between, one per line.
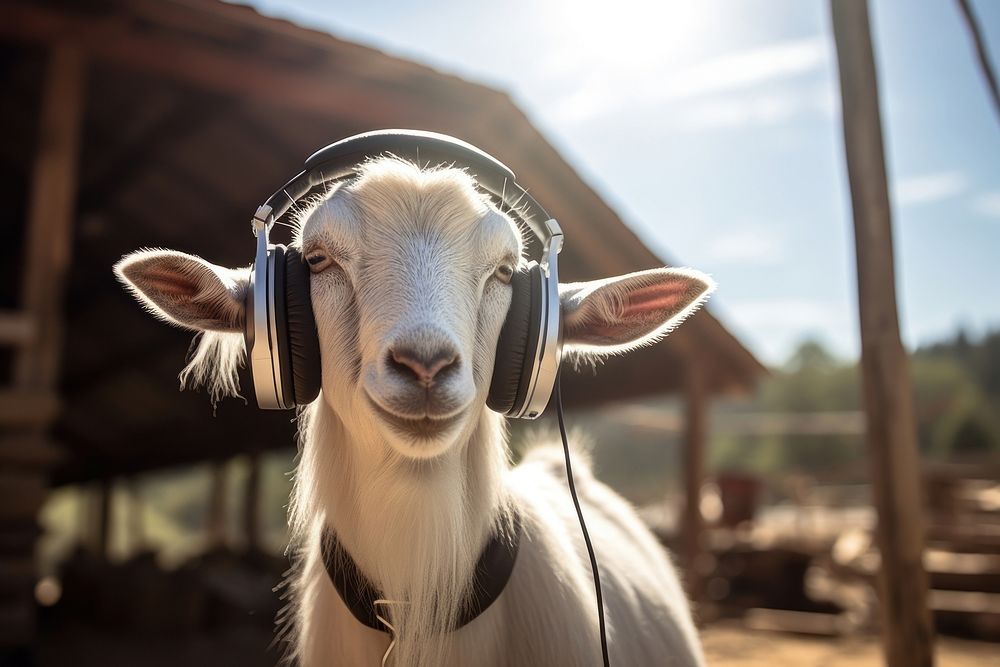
x=416, y=529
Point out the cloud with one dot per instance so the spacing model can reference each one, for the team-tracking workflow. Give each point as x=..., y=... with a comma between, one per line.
x=987, y=204
x=723, y=80
x=750, y=68
x=757, y=109
x=929, y=188
x=748, y=246
x=797, y=314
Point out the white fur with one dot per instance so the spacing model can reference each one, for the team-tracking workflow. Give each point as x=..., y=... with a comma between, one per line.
x=410, y=256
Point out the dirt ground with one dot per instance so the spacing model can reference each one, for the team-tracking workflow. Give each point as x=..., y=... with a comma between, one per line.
x=727, y=644
x=731, y=645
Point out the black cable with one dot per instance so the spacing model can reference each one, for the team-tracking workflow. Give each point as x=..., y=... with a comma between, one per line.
x=583, y=524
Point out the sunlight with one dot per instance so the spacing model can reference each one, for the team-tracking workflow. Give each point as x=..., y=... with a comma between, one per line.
x=612, y=50
x=627, y=34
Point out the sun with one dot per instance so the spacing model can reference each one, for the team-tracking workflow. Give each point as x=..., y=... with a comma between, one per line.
x=626, y=33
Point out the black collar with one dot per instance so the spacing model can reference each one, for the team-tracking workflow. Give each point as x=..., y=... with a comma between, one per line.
x=492, y=573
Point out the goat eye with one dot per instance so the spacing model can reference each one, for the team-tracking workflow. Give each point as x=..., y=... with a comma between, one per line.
x=318, y=262
x=504, y=273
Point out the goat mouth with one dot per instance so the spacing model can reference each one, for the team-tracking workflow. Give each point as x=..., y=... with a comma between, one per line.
x=423, y=428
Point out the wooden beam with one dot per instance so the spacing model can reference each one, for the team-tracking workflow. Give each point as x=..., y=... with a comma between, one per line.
x=907, y=633
x=847, y=422
x=133, y=160
x=692, y=524
x=29, y=451
x=240, y=72
x=51, y=209
x=251, y=504
x=217, y=514
x=103, y=497
x=136, y=523
x=16, y=328
x=33, y=408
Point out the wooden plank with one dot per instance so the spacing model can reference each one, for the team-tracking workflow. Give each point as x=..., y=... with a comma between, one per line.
x=22, y=567
x=798, y=622
x=29, y=451
x=21, y=495
x=846, y=422
x=17, y=619
x=27, y=408
x=907, y=632
x=33, y=403
x=103, y=519
x=131, y=162
x=693, y=527
x=215, y=526
x=16, y=328
x=50, y=216
x=968, y=602
x=251, y=504
x=17, y=540
x=135, y=523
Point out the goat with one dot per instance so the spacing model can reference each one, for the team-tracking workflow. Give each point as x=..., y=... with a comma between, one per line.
x=406, y=465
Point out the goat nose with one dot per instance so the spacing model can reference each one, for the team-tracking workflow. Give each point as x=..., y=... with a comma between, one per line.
x=422, y=367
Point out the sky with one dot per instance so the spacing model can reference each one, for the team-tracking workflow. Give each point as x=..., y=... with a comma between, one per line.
x=713, y=129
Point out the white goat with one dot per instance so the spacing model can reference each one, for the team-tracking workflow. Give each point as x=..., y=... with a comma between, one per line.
x=407, y=466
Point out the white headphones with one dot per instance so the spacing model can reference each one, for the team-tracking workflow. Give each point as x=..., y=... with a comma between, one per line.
x=280, y=331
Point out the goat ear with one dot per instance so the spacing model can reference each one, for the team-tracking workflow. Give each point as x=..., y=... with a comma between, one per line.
x=615, y=315
x=186, y=290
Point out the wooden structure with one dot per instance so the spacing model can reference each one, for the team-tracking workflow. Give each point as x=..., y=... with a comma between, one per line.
x=888, y=393
x=34, y=334
x=131, y=123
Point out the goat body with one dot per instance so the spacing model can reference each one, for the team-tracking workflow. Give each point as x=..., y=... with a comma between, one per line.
x=547, y=613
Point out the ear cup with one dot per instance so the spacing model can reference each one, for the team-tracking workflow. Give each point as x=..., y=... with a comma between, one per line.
x=305, y=372
x=278, y=307
x=513, y=365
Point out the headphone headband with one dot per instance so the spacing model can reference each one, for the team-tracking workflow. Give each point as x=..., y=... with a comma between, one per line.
x=340, y=160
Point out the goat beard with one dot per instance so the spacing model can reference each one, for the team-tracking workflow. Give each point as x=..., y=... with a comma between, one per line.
x=416, y=531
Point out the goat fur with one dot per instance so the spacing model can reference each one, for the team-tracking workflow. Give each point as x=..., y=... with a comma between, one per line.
x=415, y=526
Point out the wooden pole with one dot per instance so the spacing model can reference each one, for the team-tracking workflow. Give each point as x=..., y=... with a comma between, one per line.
x=103, y=519
x=216, y=523
x=28, y=403
x=251, y=504
x=136, y=518
x=696, y=428
x=51, y=208
x=907, y=633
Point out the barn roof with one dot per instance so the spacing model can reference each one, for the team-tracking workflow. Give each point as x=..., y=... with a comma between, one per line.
x=195, y=111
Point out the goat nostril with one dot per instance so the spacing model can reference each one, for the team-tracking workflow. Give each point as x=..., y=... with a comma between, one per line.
x=423, y=368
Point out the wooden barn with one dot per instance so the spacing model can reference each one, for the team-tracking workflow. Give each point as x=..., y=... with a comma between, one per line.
x=131, y=123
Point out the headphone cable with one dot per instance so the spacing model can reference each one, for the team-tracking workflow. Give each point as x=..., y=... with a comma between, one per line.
x=583, y=524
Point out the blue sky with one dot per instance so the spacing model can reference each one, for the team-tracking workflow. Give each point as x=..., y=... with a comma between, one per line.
x=713, y=128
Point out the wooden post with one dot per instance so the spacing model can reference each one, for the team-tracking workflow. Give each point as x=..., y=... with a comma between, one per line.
x=50, y=219
x=103, y=518
x=216, y=523
x=907, y=632
x=136, y=540
x=251, y=504
x=34, y=332
x=696, y=429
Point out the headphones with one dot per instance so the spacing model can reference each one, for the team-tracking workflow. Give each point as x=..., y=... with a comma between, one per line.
x=280, y=331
